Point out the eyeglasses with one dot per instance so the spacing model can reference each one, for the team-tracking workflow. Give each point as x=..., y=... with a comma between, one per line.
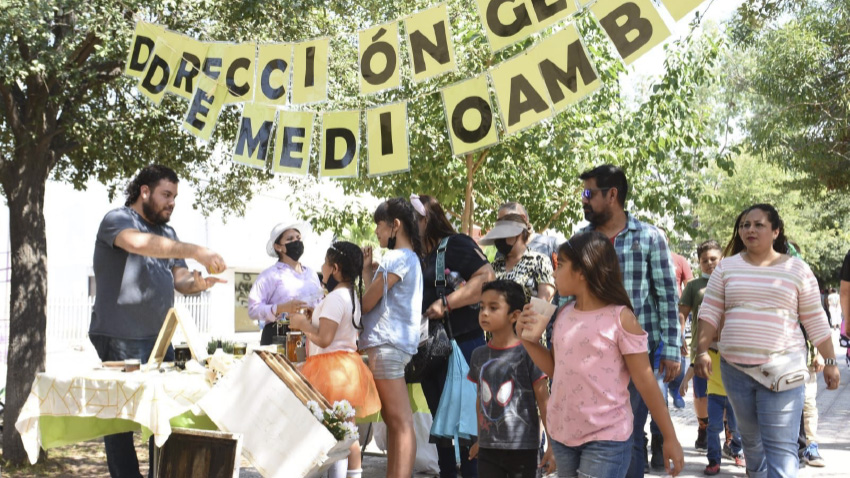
x=758, y=226
x=588, y=192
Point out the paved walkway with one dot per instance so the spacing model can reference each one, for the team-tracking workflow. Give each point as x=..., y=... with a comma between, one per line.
x=834, y=432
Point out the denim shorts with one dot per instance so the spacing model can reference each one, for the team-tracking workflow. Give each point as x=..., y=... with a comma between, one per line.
x=599, y=459
x=387, y=362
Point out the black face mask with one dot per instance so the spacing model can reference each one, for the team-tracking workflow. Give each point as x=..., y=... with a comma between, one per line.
x=503, y=246
x=294, y=250
x=330, y=283
x=391, y=243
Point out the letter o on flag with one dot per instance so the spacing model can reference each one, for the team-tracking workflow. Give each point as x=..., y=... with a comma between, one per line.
x=472, y=135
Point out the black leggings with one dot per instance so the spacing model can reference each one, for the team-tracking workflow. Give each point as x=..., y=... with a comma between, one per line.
x=493, y=463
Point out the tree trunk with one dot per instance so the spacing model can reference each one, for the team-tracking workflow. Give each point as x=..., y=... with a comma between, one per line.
x=24, y=189
x=468, y=206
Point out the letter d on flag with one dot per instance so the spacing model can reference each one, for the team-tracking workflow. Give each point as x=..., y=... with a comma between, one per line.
x=340, y=144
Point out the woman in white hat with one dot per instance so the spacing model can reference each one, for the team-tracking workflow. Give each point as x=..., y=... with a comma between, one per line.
x=286, y=285
x=531, y=270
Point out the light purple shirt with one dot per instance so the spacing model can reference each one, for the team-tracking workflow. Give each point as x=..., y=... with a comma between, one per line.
x=279, y=284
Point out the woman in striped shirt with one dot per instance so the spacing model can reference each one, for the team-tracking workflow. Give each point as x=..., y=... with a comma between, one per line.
x=765, y=296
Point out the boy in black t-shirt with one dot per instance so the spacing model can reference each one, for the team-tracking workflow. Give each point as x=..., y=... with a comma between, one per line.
x=511, y=389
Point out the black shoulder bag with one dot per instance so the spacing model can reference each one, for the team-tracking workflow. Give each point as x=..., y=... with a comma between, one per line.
x=434, y=351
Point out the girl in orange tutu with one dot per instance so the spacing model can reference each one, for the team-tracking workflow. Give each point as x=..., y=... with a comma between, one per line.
x=333, y=366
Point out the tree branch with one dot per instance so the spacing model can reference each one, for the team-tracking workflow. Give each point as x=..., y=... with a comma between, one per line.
x=12, y=113
x=480, y=160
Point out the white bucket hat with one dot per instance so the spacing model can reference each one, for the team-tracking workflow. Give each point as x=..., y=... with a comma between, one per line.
x=279, y=229
x=502, y=230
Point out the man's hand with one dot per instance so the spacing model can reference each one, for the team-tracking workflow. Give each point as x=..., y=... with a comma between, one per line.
x=702, y=365
x=199, y=283
x=211, y=260
x=473, y=451
x=670, y=369
x=436, y=310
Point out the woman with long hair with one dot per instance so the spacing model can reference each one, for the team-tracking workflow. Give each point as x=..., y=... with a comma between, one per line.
x=756, y=300
x=464, y=262
x=390, y=336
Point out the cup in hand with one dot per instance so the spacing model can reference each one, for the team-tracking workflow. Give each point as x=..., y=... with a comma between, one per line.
x=540, y=307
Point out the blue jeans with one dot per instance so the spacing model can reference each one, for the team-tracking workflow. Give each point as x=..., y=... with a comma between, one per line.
x=603, y=459
x=769, y=423
x=640, y=412
x=120, y=450
x=717, y=405
x=432, y=388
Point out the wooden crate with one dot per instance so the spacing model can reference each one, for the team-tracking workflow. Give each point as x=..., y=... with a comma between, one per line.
x=199, y=454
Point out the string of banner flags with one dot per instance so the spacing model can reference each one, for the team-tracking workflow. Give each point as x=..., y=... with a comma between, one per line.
x=278, y=82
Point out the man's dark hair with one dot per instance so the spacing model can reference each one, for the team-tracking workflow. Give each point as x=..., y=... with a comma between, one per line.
x=149, y=176
x=512, y=292
x=609, y=176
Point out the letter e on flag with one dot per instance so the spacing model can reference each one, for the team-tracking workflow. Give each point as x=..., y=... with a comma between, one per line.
x=204, y=108
x=293, y=142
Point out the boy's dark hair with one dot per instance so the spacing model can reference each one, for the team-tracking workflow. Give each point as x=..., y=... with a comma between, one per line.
x=592, y=254
x=512, y=292
x=149, y=176
x=349, y=258
x=609, y=176
x=399, y=208
x=708, y=245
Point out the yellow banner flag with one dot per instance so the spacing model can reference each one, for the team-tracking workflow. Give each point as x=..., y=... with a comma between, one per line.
x=634, y=26
x=379, y=59
x=509, y=21
x=429, y=41
x=254, y=135
x=144, y=39
x=192, y=53
x=160, y=69
x=203, y=111
x=293, y=142
x=520, y=92
x=566, y=68
x=340, y=144
x=238, y=69
x=310, y=72
x=679, y=8
x=469, y=115
x=271, y=84
x=386, y=137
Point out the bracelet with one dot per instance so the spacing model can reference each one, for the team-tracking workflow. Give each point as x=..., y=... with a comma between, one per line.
x=446, y=304
x=829, y=361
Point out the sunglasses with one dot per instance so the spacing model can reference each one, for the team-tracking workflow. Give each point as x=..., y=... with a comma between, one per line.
x=588, y=193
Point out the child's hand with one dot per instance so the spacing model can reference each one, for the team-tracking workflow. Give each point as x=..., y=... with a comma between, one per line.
x=548, y=463
x=673, y=451
x=683, y=388
x=473, y=451
x=298, y=321
x=526, y=321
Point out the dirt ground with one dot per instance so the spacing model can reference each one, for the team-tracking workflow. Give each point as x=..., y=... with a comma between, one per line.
x=81, y=460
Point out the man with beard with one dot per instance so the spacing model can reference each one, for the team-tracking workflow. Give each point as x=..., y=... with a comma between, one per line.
x=648, y=275
x=138, y=263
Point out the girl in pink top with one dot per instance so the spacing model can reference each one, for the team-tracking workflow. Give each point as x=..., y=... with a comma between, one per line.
x=597, y=346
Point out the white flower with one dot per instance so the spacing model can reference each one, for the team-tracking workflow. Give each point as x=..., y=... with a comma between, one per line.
x=315, y=410
x=350, y=430
x=343, y=410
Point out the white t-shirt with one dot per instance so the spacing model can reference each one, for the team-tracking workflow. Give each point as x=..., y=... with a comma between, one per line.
x=337, y=307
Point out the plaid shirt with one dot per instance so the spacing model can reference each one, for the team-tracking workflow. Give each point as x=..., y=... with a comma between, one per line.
x=649, y=276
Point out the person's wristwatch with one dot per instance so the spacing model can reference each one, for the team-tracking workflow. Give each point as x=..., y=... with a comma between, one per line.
x=829, y=361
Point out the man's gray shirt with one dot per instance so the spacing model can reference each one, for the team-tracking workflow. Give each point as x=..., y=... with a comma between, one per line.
x=134, y=292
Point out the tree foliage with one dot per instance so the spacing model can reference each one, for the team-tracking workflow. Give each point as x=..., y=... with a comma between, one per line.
x=819, y=224
x=792, y=83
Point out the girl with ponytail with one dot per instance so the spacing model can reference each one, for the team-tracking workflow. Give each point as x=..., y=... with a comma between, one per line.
x=333, y=366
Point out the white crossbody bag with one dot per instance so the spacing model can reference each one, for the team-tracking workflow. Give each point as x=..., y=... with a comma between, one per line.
x=784, y=371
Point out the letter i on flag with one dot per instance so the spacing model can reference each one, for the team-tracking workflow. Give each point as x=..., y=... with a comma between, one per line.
x=386, y=133
x=254, y=135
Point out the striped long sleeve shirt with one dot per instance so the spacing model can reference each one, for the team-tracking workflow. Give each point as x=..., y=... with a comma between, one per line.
x=764, y=307
x=649, y=277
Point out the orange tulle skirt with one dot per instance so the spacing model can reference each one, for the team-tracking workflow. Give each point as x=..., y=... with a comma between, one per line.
x=344, y=376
